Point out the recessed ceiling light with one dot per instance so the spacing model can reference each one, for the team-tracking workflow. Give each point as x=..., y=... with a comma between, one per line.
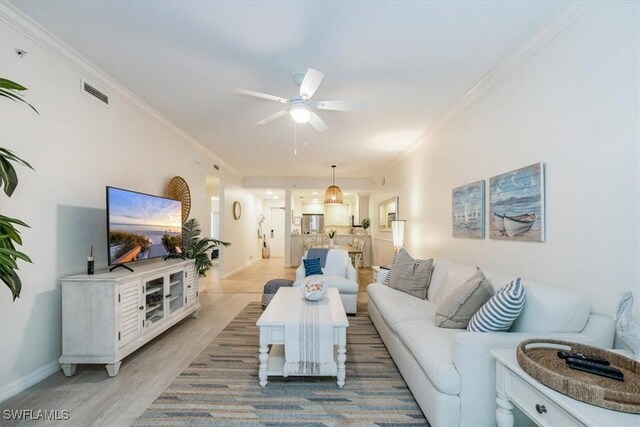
x=275, y=197
x=315, y=200
x=346, y=194
x=269, y=192
x=315, y=193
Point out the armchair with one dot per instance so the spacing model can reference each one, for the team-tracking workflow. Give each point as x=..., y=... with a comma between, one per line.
x=339, y=273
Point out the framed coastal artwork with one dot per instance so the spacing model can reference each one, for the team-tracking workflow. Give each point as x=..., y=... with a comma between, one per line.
x=467, y=210
x=516, y=205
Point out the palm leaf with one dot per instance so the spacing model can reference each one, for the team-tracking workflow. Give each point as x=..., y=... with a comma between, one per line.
x=197, y=248
x=9, y=88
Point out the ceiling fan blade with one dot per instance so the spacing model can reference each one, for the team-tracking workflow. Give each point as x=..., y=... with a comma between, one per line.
x=316, y=123
x=273, y=117
x=261, y=95
x=311, y=82
x=339, y=105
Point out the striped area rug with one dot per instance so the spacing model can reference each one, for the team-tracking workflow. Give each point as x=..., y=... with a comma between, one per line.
x=221, y=386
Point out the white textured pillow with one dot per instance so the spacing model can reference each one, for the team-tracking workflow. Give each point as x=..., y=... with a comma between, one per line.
x=499, y=313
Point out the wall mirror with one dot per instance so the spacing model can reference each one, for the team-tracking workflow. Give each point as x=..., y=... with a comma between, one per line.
x=387, y=212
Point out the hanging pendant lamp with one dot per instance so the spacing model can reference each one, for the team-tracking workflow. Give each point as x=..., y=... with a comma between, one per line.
x=333, y=195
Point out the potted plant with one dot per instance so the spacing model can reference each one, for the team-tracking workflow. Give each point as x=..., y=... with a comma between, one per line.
x=196, y=248
x=9, y=234
x=331, y=233
x=366, y=223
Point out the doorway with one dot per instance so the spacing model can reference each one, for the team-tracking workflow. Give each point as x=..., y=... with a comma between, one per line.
x=276, y=231
x=214, y=226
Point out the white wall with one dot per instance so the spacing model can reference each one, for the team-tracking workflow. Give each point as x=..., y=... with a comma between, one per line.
x=572, y=105
x=77, y=147
x=242, y=233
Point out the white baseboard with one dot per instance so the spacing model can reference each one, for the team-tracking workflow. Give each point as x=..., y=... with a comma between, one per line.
x=21, y=384
x=235, y=270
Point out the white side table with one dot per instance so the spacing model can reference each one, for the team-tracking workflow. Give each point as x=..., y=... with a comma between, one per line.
x=544, y=406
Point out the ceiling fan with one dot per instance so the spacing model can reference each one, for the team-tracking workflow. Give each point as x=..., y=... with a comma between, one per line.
x=301, y=107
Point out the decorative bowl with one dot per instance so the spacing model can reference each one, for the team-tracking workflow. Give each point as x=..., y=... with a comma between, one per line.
x=313, y=290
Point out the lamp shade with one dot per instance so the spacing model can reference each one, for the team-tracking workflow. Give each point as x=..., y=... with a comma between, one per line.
x=397, y=232
x=333, y=194
x=300, y=114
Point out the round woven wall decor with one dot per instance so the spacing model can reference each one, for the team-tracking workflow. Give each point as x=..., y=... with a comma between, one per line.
x=178, y=189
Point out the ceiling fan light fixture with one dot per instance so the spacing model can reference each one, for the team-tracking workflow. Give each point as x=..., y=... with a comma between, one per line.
x=333, y=194
x=300, y=114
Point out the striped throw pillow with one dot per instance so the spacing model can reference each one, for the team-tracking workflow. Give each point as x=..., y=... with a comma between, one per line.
x=393, y=264
x=499, y=313
x=312, y=266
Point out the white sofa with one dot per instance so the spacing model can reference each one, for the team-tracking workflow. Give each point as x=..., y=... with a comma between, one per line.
x=450, y=371
x=339, y=273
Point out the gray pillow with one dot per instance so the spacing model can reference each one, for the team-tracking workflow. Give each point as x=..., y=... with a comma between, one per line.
x=457, y=310
x=409, y=275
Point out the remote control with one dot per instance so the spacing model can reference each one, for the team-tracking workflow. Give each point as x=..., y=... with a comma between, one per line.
x=594, y=359
x=595, y=368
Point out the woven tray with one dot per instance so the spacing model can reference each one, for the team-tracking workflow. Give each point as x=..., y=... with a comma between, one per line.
x=539, y=358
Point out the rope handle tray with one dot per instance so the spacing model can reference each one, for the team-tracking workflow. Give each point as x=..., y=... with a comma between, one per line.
x=539, y=358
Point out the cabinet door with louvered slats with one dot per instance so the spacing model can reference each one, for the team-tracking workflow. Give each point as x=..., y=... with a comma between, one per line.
x=192, y=285
x=130, y=312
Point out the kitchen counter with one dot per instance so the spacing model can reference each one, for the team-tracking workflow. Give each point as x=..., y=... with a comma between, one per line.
x=297, y=247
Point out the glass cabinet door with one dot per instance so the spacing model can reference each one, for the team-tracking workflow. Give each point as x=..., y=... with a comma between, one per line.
x=176, y=291
x=154, y=300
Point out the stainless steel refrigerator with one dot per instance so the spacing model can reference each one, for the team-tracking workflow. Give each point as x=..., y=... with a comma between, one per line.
x=312, y=222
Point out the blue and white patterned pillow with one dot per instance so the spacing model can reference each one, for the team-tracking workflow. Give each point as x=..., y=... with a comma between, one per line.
x=499, y=313
x=312, y=266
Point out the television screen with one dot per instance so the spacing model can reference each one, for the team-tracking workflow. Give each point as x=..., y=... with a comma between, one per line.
x=141, y=226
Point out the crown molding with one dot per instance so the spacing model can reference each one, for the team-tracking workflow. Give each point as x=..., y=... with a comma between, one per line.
x=31, y=29
x=505, y=67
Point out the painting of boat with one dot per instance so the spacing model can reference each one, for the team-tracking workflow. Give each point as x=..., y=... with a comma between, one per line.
x=519, y=224
x=467, y=211
x=499, y=222
x=516, y=201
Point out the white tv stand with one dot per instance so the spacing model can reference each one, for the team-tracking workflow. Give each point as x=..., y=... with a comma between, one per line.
x=109, y=315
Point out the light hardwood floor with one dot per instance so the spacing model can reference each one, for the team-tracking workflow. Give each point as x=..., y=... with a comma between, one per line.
x=94, y=399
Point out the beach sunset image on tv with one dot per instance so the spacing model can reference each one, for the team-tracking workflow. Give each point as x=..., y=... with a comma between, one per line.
x=142, y=226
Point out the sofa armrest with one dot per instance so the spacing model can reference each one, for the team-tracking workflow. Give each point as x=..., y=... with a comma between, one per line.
x=477, y=367
x=300, y=272
x=351, y=273
x=381, y=275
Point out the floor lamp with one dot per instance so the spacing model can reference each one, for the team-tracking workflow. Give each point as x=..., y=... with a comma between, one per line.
x=397, y=232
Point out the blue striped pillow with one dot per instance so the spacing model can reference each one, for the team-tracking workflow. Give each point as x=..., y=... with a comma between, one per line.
x=312, y=266
x=499, y=313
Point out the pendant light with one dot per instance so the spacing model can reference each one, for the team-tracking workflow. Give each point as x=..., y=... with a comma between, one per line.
x=333, y=195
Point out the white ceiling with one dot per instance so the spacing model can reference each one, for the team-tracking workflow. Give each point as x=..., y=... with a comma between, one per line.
x=407, y=61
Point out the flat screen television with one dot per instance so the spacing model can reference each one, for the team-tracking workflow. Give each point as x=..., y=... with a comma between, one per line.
x=141, y=226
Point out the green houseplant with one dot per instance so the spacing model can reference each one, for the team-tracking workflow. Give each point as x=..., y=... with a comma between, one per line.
x=194, y=247
x=366, y=223
x=9, y=234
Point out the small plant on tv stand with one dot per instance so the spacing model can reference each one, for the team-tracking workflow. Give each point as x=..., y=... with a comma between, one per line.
x=196, y=248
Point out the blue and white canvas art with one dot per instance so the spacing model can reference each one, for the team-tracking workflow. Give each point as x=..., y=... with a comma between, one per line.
x=467, y=209
x=516, y=205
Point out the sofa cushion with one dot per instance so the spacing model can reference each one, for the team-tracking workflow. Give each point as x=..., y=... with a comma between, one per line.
x=411, y=275
x=433, y=350
x=344, y=285
x=499, y=313
x=455, y=276
x=312, y=266
x=393, y=264
x=396, y=306
x=456, y=311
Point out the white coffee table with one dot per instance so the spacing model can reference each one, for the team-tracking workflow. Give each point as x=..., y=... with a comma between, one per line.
x=544, y=406
x=271, y=325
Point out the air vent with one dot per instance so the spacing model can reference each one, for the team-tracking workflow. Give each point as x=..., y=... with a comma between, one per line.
x=90, y=90
x=216, y=167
